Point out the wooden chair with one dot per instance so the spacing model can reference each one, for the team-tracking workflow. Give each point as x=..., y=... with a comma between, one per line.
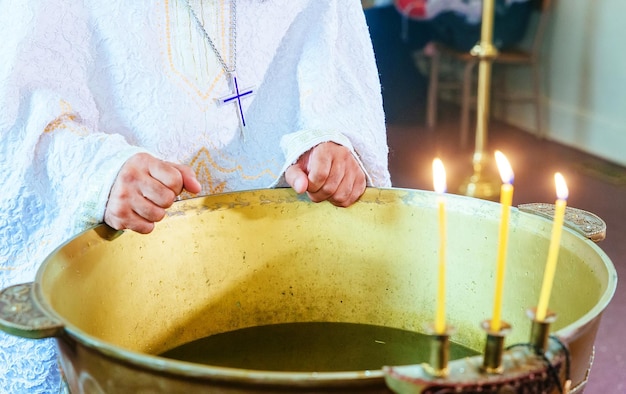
x=518, y=57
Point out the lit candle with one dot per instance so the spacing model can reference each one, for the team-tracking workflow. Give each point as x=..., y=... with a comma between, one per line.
x=506, y=198
x=439, y=181
x=555, y=241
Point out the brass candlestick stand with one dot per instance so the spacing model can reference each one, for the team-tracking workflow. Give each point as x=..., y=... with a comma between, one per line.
x=540, y=330
x=484, y=182
x=494, y=347
x=439, y=352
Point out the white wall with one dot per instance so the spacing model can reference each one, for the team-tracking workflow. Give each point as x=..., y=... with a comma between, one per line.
x=584, y=78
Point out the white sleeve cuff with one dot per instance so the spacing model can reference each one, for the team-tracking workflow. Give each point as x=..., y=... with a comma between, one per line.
x=296, y=144
x=92, y=210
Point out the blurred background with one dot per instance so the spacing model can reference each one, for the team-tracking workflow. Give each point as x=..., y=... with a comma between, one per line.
x=558, y=103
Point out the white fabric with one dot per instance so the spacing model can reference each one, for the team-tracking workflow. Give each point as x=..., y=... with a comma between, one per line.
x=84, y=85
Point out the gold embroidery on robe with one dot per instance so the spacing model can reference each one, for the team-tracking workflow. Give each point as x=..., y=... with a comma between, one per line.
x=192, y=62
x=67, y=120
x=204, y=166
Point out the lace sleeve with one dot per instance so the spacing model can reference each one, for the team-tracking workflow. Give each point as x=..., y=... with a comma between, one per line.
x=36, y=373
x=55, y=167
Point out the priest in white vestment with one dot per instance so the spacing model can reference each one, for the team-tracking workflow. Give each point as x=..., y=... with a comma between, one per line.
x=85, y=86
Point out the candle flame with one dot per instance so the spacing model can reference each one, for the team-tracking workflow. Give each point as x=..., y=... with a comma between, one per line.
x=561, y=187
x=439, y=176
x=506, y=172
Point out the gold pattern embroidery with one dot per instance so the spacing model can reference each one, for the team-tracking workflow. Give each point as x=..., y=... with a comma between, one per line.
x=190, y=86
x=67, y=120
x=200, y=165
x=204, y=165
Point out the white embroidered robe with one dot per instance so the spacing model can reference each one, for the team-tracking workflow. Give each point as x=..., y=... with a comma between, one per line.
x=84, y=85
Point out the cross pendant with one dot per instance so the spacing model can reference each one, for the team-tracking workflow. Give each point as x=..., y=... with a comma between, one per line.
x=236, y=97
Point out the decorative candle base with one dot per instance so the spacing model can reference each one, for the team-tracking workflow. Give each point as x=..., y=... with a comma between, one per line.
x=484, y=183
x=494, y=347
x=540, y=330
x=522, y=371
x=439, y=352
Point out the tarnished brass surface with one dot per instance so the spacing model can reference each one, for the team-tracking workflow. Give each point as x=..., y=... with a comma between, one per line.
x=586, y=223
x=540, y=330
x=494, y=347
x=523, y=371
x=483, y=183
x=236, y=260
x=22, y=317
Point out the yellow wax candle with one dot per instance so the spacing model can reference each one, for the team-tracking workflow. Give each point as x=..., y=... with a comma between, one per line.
x=555, y=242
x=506, y=198
x=439, y=180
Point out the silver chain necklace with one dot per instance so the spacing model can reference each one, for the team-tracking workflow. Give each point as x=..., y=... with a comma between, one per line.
x=237, y=94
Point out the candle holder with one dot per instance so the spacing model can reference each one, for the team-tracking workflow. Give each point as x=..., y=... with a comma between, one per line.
x=540, y=330
x=483, y=183
x=521, y=371
x=494, y=347
x=542, y=367
x=439, y=351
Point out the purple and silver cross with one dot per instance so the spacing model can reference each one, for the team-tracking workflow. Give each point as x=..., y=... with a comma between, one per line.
x=236, y=97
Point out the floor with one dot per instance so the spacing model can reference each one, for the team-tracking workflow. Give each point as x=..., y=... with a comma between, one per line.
x=595, y=185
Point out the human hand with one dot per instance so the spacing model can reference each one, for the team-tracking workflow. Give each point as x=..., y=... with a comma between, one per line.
x=143, y=189
x=330, y=172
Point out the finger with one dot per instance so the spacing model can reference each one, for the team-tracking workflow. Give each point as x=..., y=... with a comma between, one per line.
x=296, y=178
x=138, y=224
x=320, y=172
x=147, y=209
x=122, y=217
x=349, y=191
x=166, y=187
x=156, y=192
x=128, y=207
x=190, y=181
x=326, y=179
x=167, y=174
